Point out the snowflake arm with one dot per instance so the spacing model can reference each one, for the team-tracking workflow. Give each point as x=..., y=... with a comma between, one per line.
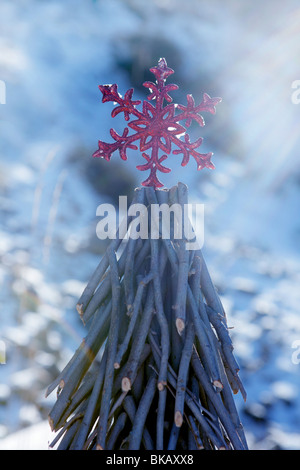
x=157, y=127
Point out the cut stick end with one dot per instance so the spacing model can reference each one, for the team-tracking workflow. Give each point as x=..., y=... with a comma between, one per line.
x=129, y=310
x=79, y=308
x=61, y=384
x=218, y=384
x=99, y=447
x=51, y=423
x=126, y=384
x=116, y=365
x=178, y=419
x=180, y=325
x=161, y=385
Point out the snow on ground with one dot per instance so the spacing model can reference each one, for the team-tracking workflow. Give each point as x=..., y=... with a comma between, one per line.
x=36, y=437
x=53, y=56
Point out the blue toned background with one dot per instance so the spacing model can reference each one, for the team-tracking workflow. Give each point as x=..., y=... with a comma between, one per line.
x=53, y=56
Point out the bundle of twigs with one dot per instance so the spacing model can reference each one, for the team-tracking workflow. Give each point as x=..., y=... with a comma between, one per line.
x=156, y=369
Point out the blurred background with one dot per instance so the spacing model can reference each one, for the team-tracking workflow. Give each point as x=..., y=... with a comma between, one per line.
x=53, y=56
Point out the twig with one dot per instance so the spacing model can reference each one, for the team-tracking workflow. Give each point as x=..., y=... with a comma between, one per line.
x=183, y=375
x=96, y=336
x=122, y=372
x=67, y=425
x=71, y=381
x=103, y=290
x=141, y=257
x=130, y=408
x=116, y=430
x=92, y=404
x=112, y=349
x=164, y=328
x=176, y=339
x=139, y=341
x=195, y=433
x=206, y=348
x=208, y=288
x=217, y=440
x=183, y=267
x=219, y=323
x=69, y=435
x=81, y=394
x=173, y=378
x=129, y=274
x=215, y=399
x=174, y=434
x=135, y=312
x=160, y=420
x=141, y=413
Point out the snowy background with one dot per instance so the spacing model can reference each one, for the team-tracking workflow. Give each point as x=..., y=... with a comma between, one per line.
x=53, y=56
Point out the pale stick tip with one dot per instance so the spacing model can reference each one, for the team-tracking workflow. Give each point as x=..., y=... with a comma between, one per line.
x=180, y=325
x=126, y=384
x=218, y=384
x=161, y=385
x=51, y=423
x=129, y=310
x=178, y=419
x=79, y=308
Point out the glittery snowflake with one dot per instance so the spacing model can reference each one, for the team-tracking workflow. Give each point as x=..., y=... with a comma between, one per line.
x=157, y=126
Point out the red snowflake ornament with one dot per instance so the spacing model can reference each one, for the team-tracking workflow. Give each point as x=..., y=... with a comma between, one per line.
x=158, y=126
